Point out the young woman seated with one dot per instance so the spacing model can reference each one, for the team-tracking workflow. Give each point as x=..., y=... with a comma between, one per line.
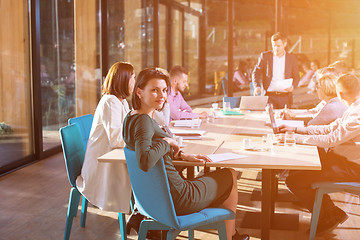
x=144, y=136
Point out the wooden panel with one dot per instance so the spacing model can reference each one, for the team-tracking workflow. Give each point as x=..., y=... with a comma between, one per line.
x=14, y=68
x=87, y=88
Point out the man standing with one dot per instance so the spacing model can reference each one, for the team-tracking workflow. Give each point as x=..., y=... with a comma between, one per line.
x=179, y=109
x=272, y=68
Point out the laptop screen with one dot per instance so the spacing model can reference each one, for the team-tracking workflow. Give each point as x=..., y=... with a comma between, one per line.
x=255, y=103
x=272, y=119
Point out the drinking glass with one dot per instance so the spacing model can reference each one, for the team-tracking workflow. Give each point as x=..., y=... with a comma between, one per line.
x=215, y=106
x=270, y=140
x=290, y=139
x=247, y=143
x=195, y=122
x=226, y=106
x=211, y=116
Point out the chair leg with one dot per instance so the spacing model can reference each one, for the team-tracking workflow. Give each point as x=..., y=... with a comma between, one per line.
x=172, y=233
x=78, y=207
x=315, y=213
x=143, y=231
x=122, y=222
x=72, y=209
x=222, y=231
x=83, y=211
x=191, y=234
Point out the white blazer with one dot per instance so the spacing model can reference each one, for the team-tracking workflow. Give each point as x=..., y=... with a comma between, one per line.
x=106, y=185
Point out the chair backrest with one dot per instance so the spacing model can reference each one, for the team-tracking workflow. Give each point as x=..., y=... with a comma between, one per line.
x=234, y=101
x=84, y=123
x=74, y=152
x=151, y=191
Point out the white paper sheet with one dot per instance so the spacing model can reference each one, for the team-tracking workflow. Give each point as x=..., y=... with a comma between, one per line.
x=177, y=131
x=289, y=123
x=187, y=123
x=224, y=156
x=188, y=134
x=280, y=86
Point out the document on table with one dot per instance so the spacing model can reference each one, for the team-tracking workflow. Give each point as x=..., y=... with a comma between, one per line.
x=187, y=123
x=188, y=134
x=224, y=156
x=289, y=123
x=280, y=86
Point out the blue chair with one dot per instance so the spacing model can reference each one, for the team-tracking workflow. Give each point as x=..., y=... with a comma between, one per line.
x=84, y=123
x=153, y=199
x=234, y=101
x=74, y=153
x=324, y=188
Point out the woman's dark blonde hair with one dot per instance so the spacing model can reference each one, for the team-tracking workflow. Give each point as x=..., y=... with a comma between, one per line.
x=117, y=80
x=142, y=80
x=327, y=84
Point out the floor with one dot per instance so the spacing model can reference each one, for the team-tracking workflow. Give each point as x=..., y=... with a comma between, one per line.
x=34, y=203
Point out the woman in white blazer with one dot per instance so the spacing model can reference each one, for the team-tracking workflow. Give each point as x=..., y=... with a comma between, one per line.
x=107, y=185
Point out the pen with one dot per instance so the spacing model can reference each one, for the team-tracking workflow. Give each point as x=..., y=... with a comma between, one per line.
x=218, y=147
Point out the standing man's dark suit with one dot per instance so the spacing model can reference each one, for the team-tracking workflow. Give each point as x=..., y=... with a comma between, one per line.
x=263, y=73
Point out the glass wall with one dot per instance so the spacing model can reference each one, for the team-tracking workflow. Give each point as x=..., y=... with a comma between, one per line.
x=252, y=23
x=147, y=33
x=16, y=137
x=191, y=52
x=68, y=51
x=57, y=67
x=116, y=31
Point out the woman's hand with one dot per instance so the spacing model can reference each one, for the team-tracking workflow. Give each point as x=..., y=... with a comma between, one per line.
x=195, y=157
x=173, y=143
x=284, y=129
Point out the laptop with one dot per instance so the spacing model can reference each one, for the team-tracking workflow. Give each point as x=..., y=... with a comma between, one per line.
x=272, y=119
x=255, y=103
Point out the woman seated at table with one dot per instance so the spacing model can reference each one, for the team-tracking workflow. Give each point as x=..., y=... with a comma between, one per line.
x=107, y=185
x=144, y=136
x=341, y=163
x=331, y=109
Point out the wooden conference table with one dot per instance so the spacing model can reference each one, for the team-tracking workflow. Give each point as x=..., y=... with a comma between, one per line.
x=225, y=135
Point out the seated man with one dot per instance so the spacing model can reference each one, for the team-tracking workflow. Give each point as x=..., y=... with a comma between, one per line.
x=179, y=109
x=342, y=160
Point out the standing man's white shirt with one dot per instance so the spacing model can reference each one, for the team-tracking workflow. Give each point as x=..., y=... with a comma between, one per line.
x=278, y=73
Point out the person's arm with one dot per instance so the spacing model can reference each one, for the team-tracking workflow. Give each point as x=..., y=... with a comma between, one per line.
x=340, y=132
x=147, y=153
x=238, y=79
x=112, y=120
x=328, y=114
x=177, y=106
x=257, y=74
